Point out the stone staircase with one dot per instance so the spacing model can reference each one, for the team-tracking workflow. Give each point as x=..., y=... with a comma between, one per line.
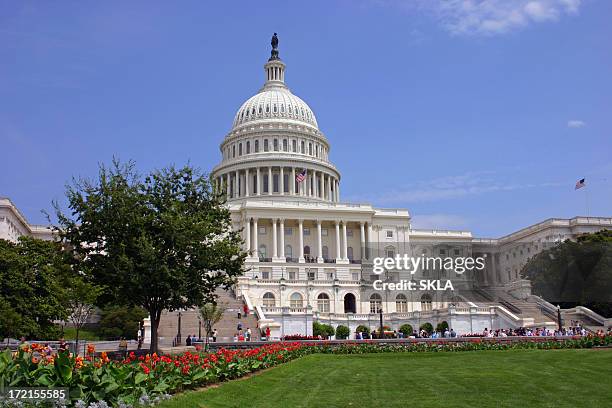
x=519, y=307
x=226, y=328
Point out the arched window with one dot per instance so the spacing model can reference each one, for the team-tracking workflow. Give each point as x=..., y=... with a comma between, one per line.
x=401, y=304
x=349, y=253
x=375, y=303
x=426, y=302
x=303, y=150
x=239, y=149
x=295, y=300
x=325, y=251
x=269, y=300
x=288, y=251
x=257, y=146
x=306, y=250
x=262, y=251
x=266, y=145
x=276, y=145
x=323, y=303
x=248, y=147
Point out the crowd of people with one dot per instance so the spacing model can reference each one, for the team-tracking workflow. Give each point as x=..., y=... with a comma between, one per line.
x=530, y=332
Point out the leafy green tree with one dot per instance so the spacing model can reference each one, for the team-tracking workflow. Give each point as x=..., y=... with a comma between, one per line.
x=323, y=330
x=211, y=314
x=363, y=329
x=406, y=329
x=81, y=297
x=121, y=321
x=428, y=327
x=575, y=273
x=163, y=241
x=342, y=332
x=34, y=275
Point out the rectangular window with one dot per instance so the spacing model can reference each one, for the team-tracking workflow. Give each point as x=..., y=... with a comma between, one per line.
x=276, y=145
x=292, y=275
x=311, y=274
x=266, y=188
x=275, y=183
x=265, y=275
x=443, y=252
x=324, y=232
x=288, y=231
x=285, y=183
x=349, y=232
x=389, y=234
x=355, y=276
x=266, y=147
x=284, y=145
x=262, y=230
x=306, y=231
x=294, y=143
x=457, y=252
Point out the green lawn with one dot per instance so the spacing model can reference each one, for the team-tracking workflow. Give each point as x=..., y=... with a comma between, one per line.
x=518, y=378
x=88, y=335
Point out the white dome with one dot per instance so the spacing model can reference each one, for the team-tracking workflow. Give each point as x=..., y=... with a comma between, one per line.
x=275, y=103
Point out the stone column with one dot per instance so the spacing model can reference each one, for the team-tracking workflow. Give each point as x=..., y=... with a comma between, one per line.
x=258, y=182
x=319, y=243
x=369, y=250
x=292, y=189
x=301, y=240
x=282, y=239
x=255, y=236
x=228, y=190
x=247, y=233
x=274, y=240
x=329, y=197
x=246, y=183
x=338, y=256
x=281, y=182
x=362, y=241
x=345, y=242
x=237, y=184
x=270, y=183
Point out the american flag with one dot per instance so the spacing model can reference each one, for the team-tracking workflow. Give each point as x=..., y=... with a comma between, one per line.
x=301, y=176
x=579, y=184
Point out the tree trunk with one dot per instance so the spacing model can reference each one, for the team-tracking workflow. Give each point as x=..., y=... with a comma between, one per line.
x=155, y=318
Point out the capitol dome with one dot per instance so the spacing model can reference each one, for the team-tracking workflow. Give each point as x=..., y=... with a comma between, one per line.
x=275, y=148
x=275, y=102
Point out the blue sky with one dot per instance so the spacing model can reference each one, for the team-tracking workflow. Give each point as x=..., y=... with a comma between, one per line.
x=477, y=115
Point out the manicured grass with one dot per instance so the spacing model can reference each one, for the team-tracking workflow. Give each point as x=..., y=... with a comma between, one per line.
x=492, y=379
x=84, y=334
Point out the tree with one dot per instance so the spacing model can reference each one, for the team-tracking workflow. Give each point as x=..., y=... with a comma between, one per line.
x=160, y=242
x=428, y=327
x=575, y=273
x=442, y=326
x=81, y=298
x=211, y=314
x=323, y=330
x=406, y=330
x=342, y=332
x=363, y=329
x=121, y=321
x=34, y=275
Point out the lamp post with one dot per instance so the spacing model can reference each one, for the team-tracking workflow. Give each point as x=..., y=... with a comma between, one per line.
x=178, y=334
x=199, y=327
x=380, y=314
x=559, y=321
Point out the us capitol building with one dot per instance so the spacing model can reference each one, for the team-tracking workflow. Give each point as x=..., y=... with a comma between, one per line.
x=310, y=254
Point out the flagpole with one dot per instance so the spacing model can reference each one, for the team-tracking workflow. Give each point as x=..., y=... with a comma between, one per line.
x=586, y=198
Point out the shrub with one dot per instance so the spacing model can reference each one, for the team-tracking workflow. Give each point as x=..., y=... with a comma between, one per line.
x=342, y=332
x=406, y=329
x=323, y=330
x=363, y=329
x=442, y=326
x=428, y=327
x=121, y=321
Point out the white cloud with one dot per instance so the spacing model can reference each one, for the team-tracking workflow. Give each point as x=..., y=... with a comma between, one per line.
x=449, y=188
x=490, y=17
x=575, y=124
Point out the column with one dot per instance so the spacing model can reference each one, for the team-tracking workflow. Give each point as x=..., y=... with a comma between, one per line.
x=319, y=243
x=282, y=239
x=281, y=182
x=328, y=188
x=301, y=235
x=227, y=186
x=292, y=189
x=313, y=188
x=362, y=240
x=247, y=233
x=338, y=257
x=274, y=241
x=246, y=183
x=255, y=234
x=345, y=242
x=369, y=253
x=338, y=190
x=236, y=192
x=270, y=183
x=258, y=182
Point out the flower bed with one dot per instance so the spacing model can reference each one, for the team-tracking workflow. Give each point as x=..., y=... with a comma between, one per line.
x=96, y=378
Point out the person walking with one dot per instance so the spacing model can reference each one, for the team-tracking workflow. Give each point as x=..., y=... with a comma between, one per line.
x=245, y=309
x=267, y=333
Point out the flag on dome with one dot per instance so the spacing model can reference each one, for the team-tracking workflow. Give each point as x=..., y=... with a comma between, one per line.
x=579, y=184
x=301, y=176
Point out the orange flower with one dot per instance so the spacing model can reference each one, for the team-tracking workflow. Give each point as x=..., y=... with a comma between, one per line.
x=91, y=349
x=104, y=357
x=78, y=362
x=34, y=360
